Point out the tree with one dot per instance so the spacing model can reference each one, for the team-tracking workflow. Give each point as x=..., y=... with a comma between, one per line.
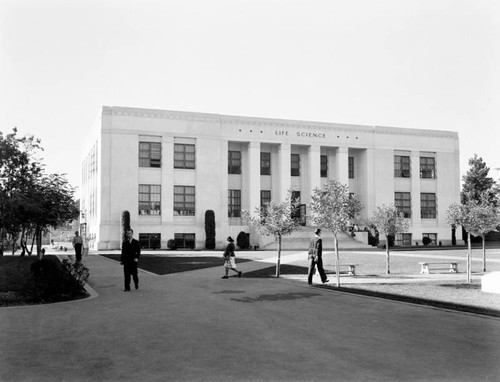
x=477, y=185
x=275, y=219
x=332, y=209
x=30, y=200
x=125, y=225
x=387, y=220
x=209, y=229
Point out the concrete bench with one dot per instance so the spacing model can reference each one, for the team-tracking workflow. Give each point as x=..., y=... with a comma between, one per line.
x=350, y=269
x=452, y=266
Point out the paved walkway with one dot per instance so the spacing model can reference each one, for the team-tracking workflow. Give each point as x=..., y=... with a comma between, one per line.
x=194, y=326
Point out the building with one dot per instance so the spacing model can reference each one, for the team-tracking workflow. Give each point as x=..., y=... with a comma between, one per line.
x=167, y=168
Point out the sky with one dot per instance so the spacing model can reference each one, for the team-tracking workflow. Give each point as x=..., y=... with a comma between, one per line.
x=425, y=64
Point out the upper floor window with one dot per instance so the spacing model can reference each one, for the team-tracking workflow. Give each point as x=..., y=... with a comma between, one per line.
x=149, y=199
x=351, y=167
x=234, y=162
x=265, y=163
x=234, y=204
x=184, y=155
x=428, y=167
x=184, y=200
x=324, y=166
x=295, y=165
x=428, y=205
x=402, y=166
x=149, y=154
x=402, y=201
x=265, y=197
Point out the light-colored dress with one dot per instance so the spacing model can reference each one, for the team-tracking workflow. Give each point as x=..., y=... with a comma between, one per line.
x=229, y=258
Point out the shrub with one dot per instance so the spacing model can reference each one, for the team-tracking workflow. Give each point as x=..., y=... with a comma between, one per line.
x=171, y=244
x=426, y=241
x=125, y=225
x=210, y=229
x=243, y=240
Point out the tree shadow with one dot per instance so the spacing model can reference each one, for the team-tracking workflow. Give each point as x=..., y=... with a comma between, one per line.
x=276, y=297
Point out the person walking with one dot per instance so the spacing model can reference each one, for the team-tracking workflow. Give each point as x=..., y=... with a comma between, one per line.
x=316, y=257
x=77, y=245
x=131, y=251
x=230, y=258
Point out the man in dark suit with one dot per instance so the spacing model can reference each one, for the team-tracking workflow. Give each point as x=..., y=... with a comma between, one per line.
x=131, y=251
x=315, y=257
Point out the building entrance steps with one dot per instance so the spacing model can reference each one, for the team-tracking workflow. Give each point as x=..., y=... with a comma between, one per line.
x=299, y=240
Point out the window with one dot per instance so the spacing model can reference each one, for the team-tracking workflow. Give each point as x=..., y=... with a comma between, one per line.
x=403, y=239
x=149, y=154
x=402, y=201
x=149, y=199
x=295, y=165
x=234, y=162
x=265, y=163
x=185, y=240
x=428, y=167
x=351, y=167
x=265, y=197
x=428, y=205
x=431, y=236
x=401, y=166
x=150, y=240
x=324, y=166
x=184, y=155
x=234, y=204
x=184, y=200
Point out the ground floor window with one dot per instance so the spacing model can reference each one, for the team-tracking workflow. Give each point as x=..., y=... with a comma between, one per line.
x=150, y=240
x=403, y=239
x=429, y=238
x=185, y=240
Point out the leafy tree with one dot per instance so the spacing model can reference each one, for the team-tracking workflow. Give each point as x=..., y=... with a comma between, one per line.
x=125, y=225
x=209, y=229
x=275, y=219
x=30, y=200
x=477, y=185
x=388, y=221
x=332, y=209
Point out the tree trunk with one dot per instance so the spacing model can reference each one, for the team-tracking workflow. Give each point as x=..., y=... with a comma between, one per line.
x=469, y=259
x=337, y=259
x=279, y=257
x=38, y=236
x=484, y=253
x=387, y=259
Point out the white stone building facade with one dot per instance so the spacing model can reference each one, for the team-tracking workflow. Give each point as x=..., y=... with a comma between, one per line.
x=167, y=168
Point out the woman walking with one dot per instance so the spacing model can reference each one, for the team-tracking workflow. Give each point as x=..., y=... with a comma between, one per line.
x=229, y=258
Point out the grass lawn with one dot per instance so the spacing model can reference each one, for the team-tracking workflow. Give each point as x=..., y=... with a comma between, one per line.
x=162, y=265
x=19, y=286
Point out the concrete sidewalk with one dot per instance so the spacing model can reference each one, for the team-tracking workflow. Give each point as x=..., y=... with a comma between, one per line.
x=195, y=326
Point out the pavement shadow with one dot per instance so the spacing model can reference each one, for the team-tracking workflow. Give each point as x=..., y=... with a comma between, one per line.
x=277, y=297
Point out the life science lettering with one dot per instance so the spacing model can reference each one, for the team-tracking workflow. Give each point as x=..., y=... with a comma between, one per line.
x=301, y=134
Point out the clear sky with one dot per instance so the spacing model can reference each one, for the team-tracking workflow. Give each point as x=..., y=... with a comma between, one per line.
x=426, y=64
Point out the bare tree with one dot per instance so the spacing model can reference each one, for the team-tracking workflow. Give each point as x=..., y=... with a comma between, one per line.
x=275, y=219
x=332, y=209
x=387, y=220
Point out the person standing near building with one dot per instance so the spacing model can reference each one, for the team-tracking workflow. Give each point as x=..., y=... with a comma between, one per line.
x=230, y=258
x=316, y=257
x=131, y=251
x=77, y=245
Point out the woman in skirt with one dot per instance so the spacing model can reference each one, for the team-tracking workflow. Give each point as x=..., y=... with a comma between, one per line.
x=229, y=258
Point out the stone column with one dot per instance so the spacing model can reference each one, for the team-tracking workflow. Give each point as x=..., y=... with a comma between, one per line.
x=343, y=165
x=254, y=176
x=416, y=220
x=222, y=219
x=314, y=172
x=167, y=177
x=285, y=181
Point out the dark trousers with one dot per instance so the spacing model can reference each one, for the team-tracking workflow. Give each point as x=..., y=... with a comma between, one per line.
x=312, y=264
x=130, y=270
x=78, y=252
